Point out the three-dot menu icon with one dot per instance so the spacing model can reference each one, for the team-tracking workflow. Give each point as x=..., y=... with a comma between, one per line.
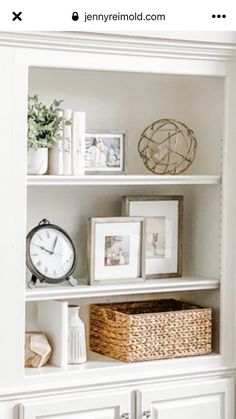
x=214, y=16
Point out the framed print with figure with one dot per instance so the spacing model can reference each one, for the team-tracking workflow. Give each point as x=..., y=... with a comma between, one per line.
x=105, y=153
x=115, y=250
x=163, y=232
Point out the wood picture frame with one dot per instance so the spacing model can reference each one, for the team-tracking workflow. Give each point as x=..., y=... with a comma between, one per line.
x=151, y=212
x=97, y=250
x=109, y=138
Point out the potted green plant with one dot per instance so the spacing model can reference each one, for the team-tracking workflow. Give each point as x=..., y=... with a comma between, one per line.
x=44, y=127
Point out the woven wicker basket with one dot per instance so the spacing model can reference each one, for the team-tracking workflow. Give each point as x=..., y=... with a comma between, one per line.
x=146, y=330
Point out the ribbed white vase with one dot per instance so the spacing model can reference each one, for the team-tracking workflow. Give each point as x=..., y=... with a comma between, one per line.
x=77, y=353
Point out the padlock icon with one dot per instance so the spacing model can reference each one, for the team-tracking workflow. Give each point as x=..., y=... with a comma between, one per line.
x=75, y=16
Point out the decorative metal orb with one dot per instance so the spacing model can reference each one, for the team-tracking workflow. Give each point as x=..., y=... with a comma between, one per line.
x=167, y=147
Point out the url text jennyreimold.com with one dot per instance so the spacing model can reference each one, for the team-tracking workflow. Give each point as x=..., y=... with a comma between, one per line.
x=114, y=17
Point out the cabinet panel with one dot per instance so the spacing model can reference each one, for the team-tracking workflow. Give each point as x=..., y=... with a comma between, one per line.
x=98, y=406
x=90, y=414
x=205, y=400
x=194, y=408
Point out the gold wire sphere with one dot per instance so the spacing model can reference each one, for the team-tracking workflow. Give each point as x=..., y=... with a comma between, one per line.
x=167, y=147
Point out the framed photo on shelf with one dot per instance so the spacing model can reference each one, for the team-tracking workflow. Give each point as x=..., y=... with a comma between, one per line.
x=105, y=153
x=163, y=232
x=115, y=250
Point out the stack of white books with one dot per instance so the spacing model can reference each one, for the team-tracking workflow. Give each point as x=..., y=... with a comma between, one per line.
x=67, y=157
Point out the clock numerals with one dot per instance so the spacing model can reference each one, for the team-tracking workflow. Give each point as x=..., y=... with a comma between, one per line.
x=40, y=237
x=54, y=272
x=39, y=263
x=34, y=254
x=46, y=270
x=48, y=234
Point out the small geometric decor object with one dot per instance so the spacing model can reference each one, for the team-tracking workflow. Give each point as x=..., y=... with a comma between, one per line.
x=167, y=147
x=37, y=349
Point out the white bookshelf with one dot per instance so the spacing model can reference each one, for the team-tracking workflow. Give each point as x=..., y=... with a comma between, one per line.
x=125, y=180
x=185, y=283
x=98, y=363
x=122, y=83
x=57, y=199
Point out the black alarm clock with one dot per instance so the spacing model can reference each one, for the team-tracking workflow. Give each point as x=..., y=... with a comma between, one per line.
x=50, y=254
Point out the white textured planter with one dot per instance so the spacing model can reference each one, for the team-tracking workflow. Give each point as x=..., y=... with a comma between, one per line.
x=37, y=161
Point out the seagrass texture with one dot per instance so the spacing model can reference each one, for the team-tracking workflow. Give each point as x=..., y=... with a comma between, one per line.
x=148, y=330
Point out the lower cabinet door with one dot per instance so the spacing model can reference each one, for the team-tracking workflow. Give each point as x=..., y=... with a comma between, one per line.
x=200, y=400
x=100, y=406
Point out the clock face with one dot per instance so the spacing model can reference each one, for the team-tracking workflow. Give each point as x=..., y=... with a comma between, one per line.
x=51, y=253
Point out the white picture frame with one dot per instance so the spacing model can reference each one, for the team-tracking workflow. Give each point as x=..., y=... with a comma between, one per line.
x=163, y=232
x=105, y=153
x=115, y=250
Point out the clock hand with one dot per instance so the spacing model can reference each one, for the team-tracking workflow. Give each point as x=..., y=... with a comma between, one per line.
x=54, y=244
x=46, y=250
x=42, y=248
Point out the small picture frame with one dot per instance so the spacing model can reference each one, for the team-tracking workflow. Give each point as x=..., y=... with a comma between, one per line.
x=105, y=153
x=163, y=232
x=115, y=250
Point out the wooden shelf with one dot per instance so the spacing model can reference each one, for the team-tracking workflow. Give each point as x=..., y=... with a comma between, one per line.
x=120, y=180
x=66, y=291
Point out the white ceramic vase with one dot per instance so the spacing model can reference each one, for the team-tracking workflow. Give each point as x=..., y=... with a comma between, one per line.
x=77, y=353
x=37, y=161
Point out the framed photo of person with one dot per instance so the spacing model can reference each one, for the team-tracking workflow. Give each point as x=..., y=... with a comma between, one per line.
x=105, y=153
x=115, y=250
x=163, y=232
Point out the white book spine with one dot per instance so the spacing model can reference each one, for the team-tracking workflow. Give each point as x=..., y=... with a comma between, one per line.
x=56, y=154
x=60, y=156
x=67, y=145
x=78, y=143
x=53, y=320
